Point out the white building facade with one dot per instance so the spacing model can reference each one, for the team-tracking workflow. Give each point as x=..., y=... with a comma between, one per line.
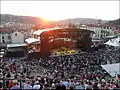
x=5, y=38
x=101, y=32
x=11, y=38
x=17, y=37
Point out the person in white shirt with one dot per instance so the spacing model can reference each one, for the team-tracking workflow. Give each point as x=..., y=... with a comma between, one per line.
x=65, y=82
x=36, y=87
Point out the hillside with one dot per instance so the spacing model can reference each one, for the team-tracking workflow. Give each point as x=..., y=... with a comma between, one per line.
x=35, y=20
x=5, y=18
x=114, y=22
x=81, y=21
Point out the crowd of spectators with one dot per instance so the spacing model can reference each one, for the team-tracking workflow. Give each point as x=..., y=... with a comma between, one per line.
x=79, y=71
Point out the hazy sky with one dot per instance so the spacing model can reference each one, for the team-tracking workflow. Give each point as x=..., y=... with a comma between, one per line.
x=56, y=10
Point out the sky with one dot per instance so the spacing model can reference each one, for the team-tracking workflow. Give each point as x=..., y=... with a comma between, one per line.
x=58, y=10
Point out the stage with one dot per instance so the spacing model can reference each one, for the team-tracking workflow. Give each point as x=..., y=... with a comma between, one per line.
x=71, y=38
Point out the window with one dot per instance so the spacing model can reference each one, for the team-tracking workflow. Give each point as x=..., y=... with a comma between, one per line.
x=9, y=37
x=9, y=42
x=2, y=37
x=15, y=34
x=3, y=41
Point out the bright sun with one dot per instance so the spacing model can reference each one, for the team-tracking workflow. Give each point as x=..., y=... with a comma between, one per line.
x=48, y=17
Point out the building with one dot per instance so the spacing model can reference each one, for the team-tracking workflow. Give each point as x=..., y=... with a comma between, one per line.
x=118, y=30
x=101, y=31
x=5, y=36
x=10, y=37
x=17, y=50
x=17, y=37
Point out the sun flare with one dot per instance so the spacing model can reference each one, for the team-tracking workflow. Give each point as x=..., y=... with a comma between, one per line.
x=48, y=18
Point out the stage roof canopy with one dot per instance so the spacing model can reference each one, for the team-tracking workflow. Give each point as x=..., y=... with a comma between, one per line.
x=17, y=45
x=32, y=40
x=38, y=32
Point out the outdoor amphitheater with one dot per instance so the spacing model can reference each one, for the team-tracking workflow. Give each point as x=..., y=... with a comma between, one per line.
x=65, y=61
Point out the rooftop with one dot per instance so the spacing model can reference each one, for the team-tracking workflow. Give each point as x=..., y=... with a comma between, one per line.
x=16, y=45
x=38, y=32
